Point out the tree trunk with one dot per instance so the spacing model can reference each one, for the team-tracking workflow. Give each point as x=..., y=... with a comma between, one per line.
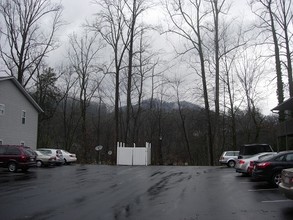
x=280, y=86
x=206, y=98
x=129, y=76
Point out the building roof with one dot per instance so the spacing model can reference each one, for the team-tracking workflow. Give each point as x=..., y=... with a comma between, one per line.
x=23, y=91
x=286, y=105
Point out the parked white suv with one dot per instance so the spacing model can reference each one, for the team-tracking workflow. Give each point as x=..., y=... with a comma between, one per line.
x=229, y=158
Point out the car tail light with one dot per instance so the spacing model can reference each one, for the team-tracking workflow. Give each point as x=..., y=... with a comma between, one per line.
x=241, y=161
x=290, y=180
x=249, y=170
x=287, y=180
x=23, y=158
x=52, y=158
x=263, y=165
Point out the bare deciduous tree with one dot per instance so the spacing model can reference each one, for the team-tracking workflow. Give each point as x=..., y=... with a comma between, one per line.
x=69, y=108
x=27, y=35
x=110, y=24
x=176, y=85
x=83, y=56
x=144, y=64
x=218, y=8
x=250, y=72
x=136, y=8
x=266, y=14
x=284, y=18
x=187, y=19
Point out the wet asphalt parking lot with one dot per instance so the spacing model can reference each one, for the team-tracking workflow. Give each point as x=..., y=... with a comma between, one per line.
x=138, y=192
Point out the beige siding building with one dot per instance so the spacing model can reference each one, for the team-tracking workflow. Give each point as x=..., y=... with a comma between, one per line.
x=18, y=114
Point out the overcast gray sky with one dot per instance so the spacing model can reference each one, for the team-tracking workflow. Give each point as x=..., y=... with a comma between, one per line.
x=76, y=11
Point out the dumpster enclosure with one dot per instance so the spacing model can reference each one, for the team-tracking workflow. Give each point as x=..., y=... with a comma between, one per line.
x=133, y=155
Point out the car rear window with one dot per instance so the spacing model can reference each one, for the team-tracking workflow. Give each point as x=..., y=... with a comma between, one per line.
x=227, y=153
x=230, y=153
x=46, y=151
x=2, y=149
x=12, y=151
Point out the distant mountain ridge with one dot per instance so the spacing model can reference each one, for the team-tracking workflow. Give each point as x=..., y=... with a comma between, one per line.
x=146, y=104
x=168, y=106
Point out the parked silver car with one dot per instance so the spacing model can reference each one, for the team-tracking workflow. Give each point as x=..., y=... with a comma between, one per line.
x=68, y=157
x=53, y=152
x=45, y=159
x=242, y=165
x=229, y=158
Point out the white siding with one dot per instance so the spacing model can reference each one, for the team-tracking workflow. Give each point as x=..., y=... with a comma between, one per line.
x=12, y=131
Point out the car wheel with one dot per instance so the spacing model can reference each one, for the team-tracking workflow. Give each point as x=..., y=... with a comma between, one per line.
x=39, y=163
x=276, y=179
x=231, y=163
x=12, y=167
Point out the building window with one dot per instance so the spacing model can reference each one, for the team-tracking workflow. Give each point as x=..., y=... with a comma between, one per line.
x=2, y=109
x=23, y=117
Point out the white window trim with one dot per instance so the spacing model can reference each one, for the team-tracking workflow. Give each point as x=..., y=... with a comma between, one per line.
x=2, y=109
x=23, y=117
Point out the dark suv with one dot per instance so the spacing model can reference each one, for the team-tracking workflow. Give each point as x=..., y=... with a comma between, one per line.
x=16, y=157
x=247, y=150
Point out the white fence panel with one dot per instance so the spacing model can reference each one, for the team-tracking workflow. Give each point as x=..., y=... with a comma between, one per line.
x=139, y=156
x=149, y=155
x=133, y=155
x=125, y=155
